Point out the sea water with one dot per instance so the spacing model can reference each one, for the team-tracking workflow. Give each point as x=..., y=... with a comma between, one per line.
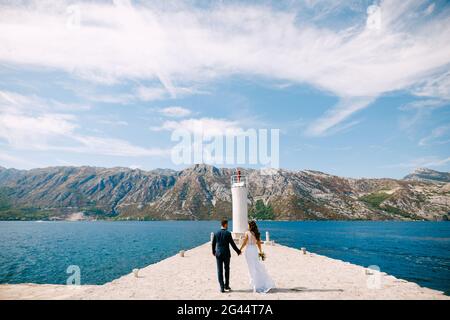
x=41, y=252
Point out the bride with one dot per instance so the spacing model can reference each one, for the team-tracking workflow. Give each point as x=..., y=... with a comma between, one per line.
x=259, y=278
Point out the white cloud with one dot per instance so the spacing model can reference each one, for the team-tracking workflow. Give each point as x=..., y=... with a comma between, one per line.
x=27, y=129
x=14, y=101
x=433, y=137
x=34, y=132
x=150, y=94
x=11, y=161
x=175, y=111
x=181, y=44
x=202, y=126
x=144, y=93
x=110, y=98
x=424, y=162
x=420, y=110
x=140, y=93
x=427, y=104
x=57, y=132
x=307, y=146
x=343, y=110
x=113, y=147
x=113, y=122
x=436, y=86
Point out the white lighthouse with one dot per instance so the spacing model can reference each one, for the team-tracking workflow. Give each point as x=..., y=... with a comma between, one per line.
x=239, y=199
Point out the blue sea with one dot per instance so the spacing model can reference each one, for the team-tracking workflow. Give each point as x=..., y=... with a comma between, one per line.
x=40, y=252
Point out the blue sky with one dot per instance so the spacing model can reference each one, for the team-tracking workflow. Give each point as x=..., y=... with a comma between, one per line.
x=359, y=89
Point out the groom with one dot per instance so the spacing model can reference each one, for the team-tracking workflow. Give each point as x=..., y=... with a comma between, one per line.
x=221, y=250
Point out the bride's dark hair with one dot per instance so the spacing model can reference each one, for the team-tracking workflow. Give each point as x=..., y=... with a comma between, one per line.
x=254, y=229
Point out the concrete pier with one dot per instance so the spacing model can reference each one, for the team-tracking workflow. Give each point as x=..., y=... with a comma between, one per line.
x=296, y=275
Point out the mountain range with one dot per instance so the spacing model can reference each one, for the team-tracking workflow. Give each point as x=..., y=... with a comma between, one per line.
x=424, y=174
x=202, y=192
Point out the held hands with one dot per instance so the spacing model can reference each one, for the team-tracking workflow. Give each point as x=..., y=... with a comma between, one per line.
x=262, y=256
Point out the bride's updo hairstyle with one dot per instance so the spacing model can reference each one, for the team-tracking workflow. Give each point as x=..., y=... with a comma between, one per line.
x=254, y=229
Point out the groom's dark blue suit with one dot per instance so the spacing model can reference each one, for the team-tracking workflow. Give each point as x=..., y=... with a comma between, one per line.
x=221, y=249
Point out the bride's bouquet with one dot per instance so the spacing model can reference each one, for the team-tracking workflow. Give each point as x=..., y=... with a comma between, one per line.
x=262, y=256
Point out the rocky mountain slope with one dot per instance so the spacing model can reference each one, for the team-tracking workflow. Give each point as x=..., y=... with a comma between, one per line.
x=423, y=174
x=203, y=192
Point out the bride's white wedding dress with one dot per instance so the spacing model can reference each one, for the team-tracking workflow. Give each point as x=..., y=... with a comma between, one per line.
x=259, y=278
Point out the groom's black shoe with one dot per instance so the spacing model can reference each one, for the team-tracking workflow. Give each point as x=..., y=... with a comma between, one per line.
x=228, y=288
x=222, y=290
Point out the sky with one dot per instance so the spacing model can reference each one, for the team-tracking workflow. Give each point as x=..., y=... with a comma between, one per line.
x=356, y=88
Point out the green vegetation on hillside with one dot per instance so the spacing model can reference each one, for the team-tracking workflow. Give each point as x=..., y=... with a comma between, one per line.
x=9, y=212
x=24, y=214
x=375, y=199
x=262, y=212
x=4, y=199
x=93, y=211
